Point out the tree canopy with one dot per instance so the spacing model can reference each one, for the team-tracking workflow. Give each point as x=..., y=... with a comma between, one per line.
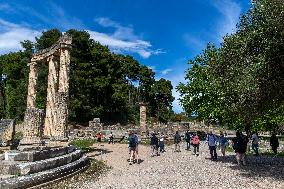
x=241, y=83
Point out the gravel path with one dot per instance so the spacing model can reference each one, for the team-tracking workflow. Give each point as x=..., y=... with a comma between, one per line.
x=182, y=170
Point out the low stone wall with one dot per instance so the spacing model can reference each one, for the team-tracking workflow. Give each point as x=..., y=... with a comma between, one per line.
x=38, y=166
x=27, y=181
x=44, y=154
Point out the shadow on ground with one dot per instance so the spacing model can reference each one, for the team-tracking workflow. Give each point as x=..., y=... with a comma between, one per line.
x=262, y=166
x=98, y=152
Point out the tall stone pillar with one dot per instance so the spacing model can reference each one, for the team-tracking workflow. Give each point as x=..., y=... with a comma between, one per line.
x=62, y=97
x=33, y=121
x=64, y=70
x=31, y=99
x=52, y=86
x=143, y=118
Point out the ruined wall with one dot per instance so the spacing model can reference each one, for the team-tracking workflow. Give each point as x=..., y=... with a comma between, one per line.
x=7, y=129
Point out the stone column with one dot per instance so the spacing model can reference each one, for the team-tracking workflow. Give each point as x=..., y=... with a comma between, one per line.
x=33, y=122
x=62, y=97
x=50, y=113
x=64, y=70
x=31, y=99
x=143, y=118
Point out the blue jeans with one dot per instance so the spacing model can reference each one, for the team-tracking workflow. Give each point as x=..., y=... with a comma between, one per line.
x=187, y=145
x=162, y=146
x=213, y=152
x=255, y=149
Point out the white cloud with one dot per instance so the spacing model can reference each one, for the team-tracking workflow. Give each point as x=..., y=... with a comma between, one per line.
x=123, y=39
x=166, y=71
x=12, y=34
x=153, y=68
x=231, y=12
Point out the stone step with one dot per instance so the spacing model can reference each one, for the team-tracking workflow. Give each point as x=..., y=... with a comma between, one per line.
x=27, y=181
x=32, y=156
x=38, y=166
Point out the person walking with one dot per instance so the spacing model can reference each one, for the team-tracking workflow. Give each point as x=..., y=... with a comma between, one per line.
x=274, y=143
x=195, y=144
x=99, y=138
x=137, y=140
x=240, y=147
x=132, y=147
x=223, y=143
x=154, y=145
x=187, y=139
x=177, y=140
x=162, y=144
x=212, y=141
x=111, y=138
x=254, y=143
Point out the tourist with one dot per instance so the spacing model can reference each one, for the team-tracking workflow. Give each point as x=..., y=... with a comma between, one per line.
x=137, y=140
x=195, y=144
x=274, y=143
x=111, y=138
x=132, y=147
x=154, y=145
x=162, y=144
x=187, y=139
x=99, y=137
x=240, y=146
x=212, y=141
x=254, y=143
x=223, y=143
x=177, y=140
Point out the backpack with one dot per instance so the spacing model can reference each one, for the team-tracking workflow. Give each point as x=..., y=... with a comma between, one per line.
x=132, y=142
x=187, y=136
x=195, y=140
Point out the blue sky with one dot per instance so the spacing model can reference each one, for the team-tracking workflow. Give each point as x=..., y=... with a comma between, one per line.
x=161, y=34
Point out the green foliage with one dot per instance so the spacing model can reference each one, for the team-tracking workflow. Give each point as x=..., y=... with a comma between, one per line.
x=161, y=100
x=241, y=83
x=83, y=144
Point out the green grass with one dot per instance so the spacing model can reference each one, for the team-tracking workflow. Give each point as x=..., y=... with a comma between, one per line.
x=91, y=174
x=85, y=145
x=270, y=153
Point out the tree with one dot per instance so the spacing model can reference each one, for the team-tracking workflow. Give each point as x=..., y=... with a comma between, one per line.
x=243, y=82
x=161, y=100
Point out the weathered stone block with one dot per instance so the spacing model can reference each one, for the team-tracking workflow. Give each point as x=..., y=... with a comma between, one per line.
x=7, y=129
x=43, y=154
x=38, y=166
x=45, y=176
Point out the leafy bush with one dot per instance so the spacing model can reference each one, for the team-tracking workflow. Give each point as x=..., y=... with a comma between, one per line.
x=83, y=144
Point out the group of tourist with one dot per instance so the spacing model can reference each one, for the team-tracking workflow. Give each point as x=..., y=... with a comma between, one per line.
x=239, y=144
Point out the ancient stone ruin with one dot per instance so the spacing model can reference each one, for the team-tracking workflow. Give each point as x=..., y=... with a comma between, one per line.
x=143, y=118
x=44, y=154
x=7, y=131
x=52, y=122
